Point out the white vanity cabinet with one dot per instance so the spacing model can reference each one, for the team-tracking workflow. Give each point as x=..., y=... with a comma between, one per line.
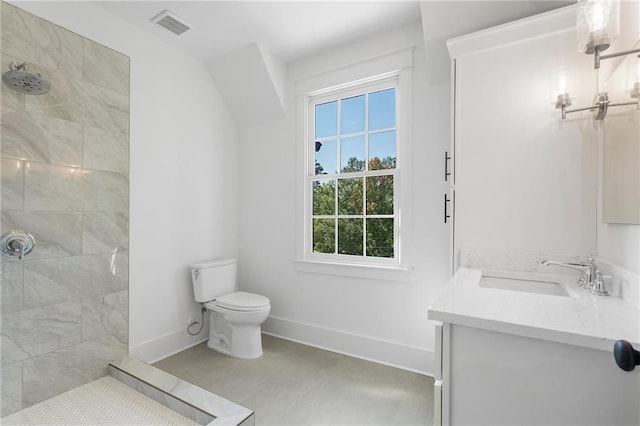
x=511, y=358
x=502, y=379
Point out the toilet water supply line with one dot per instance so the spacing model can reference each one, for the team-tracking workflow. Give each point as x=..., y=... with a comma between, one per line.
x=202, y=311
x=224, y=340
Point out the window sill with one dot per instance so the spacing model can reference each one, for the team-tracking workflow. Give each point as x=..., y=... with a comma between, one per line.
x=373, y=272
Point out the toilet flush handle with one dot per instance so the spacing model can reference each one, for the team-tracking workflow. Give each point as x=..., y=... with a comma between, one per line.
x=196, y=273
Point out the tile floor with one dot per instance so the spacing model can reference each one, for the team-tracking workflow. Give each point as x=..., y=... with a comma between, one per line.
x=294, y=384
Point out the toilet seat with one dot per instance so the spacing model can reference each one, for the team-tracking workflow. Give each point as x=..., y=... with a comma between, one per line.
x=240, y=301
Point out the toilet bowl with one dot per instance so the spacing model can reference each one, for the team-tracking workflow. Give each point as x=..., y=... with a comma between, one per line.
x=235, y=317
x=241, y=314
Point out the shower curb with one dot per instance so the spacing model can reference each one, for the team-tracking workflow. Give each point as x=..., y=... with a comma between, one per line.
x=193, y=402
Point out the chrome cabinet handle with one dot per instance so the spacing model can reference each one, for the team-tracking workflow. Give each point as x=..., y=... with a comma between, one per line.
x=16, y=243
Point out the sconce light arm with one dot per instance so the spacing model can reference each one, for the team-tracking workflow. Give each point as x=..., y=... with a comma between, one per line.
x=597, y=57
x=569, y=111
x=601, y=105
x=626, y=103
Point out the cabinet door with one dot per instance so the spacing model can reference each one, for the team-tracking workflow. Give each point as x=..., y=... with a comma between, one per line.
x=503, y=379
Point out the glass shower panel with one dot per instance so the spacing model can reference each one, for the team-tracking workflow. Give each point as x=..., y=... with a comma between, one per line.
x=65, y=180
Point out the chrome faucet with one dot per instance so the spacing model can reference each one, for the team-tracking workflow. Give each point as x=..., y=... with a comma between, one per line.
x=590, y=277
x=598, y=287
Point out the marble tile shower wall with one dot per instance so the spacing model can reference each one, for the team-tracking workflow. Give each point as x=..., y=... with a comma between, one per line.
x=65, y=179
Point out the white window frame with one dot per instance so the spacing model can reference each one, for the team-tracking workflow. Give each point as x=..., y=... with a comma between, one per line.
x=336, y=95
x=393, y=69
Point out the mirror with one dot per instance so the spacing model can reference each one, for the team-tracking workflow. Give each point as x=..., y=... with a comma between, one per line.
x=621, y=148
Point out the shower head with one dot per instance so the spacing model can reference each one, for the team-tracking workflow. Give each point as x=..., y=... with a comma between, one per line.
x=21, y=80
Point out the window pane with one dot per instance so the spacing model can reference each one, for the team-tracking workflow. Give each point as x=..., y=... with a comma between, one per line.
x=350, y=236
x=350, y=196
x=379, y=195
x=327, y=119
x=324, y=235
x=324, y=197
x=352, y=154
x=352, y=115
x=380, y=237
x=382, y=109
x=326, y=156
x=382, y=150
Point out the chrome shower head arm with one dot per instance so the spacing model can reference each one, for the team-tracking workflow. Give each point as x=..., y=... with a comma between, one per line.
x=15, y=66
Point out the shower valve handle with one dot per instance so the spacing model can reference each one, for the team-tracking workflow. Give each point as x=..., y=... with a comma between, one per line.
x=16, y=243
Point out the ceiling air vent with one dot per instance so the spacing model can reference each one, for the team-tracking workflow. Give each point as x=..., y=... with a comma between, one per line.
x=171, y=22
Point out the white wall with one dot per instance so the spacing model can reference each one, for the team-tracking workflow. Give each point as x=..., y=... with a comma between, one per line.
x=377, y=319
x=618, y=144
x=619, y=151
x=184, y=179
x=620, y=243
x=525, y=178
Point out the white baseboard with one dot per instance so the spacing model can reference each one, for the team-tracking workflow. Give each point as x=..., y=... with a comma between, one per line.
x=164, y=346
x=411, y=358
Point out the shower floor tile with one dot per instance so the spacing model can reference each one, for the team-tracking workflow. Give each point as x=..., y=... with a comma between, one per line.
x=105, y=402
x=295, y=384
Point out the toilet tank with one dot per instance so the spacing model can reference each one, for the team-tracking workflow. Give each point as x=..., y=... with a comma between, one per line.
x=213, y=278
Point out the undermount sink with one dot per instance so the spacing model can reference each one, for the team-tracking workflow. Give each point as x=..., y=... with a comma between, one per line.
x=527, y=285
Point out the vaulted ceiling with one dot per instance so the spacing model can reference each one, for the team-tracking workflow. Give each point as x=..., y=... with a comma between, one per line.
x=293, y=29
x=256, y=39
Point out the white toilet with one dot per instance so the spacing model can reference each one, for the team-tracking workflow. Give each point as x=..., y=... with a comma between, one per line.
x=234, y=316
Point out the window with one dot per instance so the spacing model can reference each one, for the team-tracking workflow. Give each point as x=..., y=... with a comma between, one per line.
x=353, y=192
x=352, y=174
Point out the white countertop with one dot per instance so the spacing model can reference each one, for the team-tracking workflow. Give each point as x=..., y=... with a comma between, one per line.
x=580, y=319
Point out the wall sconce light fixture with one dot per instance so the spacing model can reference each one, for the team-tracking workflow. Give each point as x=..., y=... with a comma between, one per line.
x=597, y=25
x=560, y=84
